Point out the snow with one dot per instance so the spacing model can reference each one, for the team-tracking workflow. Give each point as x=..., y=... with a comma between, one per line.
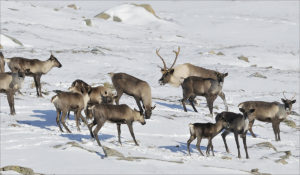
x=7, y=42
x=266, y=32
x=132, y=14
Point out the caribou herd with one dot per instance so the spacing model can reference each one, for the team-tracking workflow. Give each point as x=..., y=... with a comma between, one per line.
x=98, y=102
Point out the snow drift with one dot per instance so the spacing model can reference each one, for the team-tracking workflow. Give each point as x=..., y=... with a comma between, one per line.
x=130, y=14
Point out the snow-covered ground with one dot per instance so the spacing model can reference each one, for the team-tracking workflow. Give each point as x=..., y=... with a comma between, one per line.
x=266, y=32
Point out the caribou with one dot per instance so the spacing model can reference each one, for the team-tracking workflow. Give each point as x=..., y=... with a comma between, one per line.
x=135, y=87
x=176, y=75
x=37, y=68
x=271, y=112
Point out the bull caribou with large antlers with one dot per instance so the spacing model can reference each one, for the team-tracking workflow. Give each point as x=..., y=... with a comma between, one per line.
x=176, y=75
x=271, y=112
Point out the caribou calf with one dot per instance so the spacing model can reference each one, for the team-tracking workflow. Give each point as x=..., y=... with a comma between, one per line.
x=238, y=124
x=206, y=130
x=98, y=95
x=9, y=84
x=37, y=68
x=207, y=87
x=271, y=112
x=119, y=114
x=135, y=87
x=70, y=101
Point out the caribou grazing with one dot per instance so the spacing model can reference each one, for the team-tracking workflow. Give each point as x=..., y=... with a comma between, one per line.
x=37, y=68
x=9, y=84
x=207, y=87
x=135, y=87
x=2, y=63
x=176, y=75
x=238, y=124
x=119, y=114
x=70, y=101
x=206, y=130
x=271, y=112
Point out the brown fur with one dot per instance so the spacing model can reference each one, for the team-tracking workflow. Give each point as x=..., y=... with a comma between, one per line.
x=119, y=114
x=271, y=112
x=2, y=63
x=134, y=87
x=70, y=101
x=37, y=68
x=238, y=124
x=207, y=87
x=98, y=95
x=205, y=130
x=9, y=84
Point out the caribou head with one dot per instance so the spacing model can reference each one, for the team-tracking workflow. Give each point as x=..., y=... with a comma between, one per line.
x=167, y=72
x=288, y=103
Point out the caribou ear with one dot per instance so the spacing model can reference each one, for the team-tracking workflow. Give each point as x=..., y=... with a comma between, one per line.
x=153, y=107
x=226, y=74
x=171, y=71
x=242, y=110
x=283, y=100
x=294, y=101
x=162, y=70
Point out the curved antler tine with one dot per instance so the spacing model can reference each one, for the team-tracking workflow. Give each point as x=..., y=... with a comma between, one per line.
x=176, y=53
x=284, y=95
x=293, y=96
x=157, y=53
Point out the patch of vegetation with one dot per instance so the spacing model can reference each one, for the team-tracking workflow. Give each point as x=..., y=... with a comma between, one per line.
x=73, y=6
x=266, y=145
x=117, y=19
x=19, y=169
x=88, y=22
x=283, y=158
x=148, y=8
x=243, y=58
x=103, y=15
x=258, y=75
x=290, y=123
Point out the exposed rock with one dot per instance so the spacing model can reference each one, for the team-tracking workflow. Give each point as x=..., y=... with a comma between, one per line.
x=212, y=52
x=220, y=53
x=148, y=8
x=88, y=22
x=15, y=125
x=258, y=75
x=103, y=15
x=256, y=172
x=1, y=46
x=243, y=58
x=117, y=19
x=19, y=169
x=253, y=65
x=226, y=158
x=290, y=123
x=266, y=144
x=73, y=6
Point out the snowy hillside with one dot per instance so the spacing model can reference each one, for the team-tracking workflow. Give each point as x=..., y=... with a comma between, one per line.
x=212, y=35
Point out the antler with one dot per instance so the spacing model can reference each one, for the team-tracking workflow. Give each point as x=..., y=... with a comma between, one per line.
x=165, y=66
x=177, y=53
x=293, y=96
x=284, y=95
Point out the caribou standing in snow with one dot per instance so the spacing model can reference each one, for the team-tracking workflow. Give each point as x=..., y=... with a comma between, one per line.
x=37, y=68
x=176, y=75
x=271, y=112
x=9, y=84
x=135, y=87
